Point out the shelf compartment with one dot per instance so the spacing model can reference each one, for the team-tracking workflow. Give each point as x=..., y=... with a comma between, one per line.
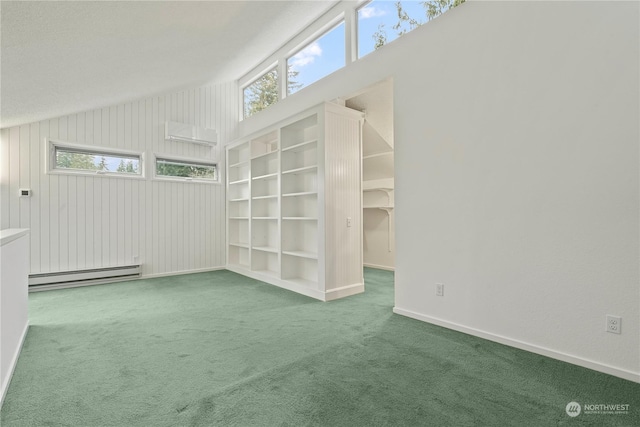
x=303, y=182
x=265, y=164
x=239, y=231
x=305, y=156
x=263, y=155
x=265, y=207
x=297, y=132
x=302, y=205
x=265, y=233
x=238, y=208
x=239, y=172
x=239, y=164
x=372, y=141
x=303, y=271
x=375, y=198
x=265, y=262
x=238, y=155
x=239, y=256
x=299, y=235
x=378, y=167
x=264, y=144
x=264, y=187
x=239, y=192
x=378, y=184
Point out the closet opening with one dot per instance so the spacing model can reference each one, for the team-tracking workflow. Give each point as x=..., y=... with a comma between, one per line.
x=378, y=174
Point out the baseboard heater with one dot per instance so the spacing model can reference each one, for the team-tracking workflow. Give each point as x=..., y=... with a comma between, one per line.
x=70, y=279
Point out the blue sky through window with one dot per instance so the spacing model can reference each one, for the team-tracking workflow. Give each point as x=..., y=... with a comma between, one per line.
x=327, y=54
x=320, y=58
x=383, y=14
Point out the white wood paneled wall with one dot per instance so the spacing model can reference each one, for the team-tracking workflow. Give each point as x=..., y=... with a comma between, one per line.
x=80, y=222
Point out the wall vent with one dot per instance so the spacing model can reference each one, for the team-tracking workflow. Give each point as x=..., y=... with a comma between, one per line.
x=70, y=279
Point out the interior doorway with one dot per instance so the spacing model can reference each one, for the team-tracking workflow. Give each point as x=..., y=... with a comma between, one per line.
x=378, y=174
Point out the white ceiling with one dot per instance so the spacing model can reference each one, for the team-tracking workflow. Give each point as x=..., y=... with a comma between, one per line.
x=59, y=58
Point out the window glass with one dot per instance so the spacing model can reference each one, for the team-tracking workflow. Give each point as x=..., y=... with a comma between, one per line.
x=262, y=93
x=184, y=169
x=86, y=160
x=382, y=21
x=321, y=57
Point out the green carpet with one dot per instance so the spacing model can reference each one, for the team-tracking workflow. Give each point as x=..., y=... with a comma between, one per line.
x=218, y=349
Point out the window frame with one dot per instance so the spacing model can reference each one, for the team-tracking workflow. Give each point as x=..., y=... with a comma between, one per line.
x=331, y=17
x=52, y=145
x=186, y=161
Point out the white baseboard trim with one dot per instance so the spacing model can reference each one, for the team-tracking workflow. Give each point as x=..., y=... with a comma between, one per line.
x=14, y=362
x=345, y=291
x=575, y=360
x=178, y=273
x=379, y=267
x=41, y=288
x=272, y=280
x=302, y=289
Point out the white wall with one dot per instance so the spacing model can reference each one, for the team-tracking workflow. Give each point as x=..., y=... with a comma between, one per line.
x=516, y=144
x=80, y=222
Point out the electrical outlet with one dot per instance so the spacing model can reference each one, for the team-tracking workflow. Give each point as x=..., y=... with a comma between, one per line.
x=439, y=289
x=614, y=324
x=349, y=221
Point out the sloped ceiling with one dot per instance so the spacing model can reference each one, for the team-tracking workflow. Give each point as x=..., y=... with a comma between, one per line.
x=377, y=103
x=59, y=58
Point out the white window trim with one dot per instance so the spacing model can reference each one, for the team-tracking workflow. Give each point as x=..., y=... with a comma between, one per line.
x=344, y=10
x=177, y=159
x=50, y=162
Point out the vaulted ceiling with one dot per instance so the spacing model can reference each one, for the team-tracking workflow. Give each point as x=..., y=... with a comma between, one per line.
x=59, y=58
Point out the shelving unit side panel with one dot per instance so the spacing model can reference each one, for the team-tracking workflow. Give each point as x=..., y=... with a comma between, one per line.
x=343, y=201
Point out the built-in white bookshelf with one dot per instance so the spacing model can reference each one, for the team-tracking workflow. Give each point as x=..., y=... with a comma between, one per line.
x=291, y=189
x=238, y=176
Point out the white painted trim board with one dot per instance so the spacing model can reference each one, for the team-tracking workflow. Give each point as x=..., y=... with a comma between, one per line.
x=543, y=351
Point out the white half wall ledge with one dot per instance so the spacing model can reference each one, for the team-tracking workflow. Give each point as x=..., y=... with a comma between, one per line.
x=14, y=301
x=543, y=351
x=10, y=234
